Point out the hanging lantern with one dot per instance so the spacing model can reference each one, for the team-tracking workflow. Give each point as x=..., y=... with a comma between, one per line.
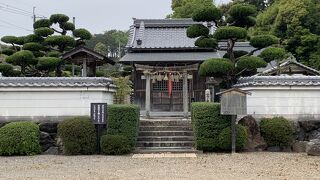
x=166, y=77
x=159, y=77
x=153, y=79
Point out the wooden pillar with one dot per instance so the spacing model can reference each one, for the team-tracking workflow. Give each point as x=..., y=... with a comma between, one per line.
x=73, y=69
x=185, y=94
x=148, y=101
x=84, y=68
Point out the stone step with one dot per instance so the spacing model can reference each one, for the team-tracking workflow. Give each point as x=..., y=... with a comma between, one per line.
x=165, y=144
x=165, y=133
x=154, y=150
x=165, y=138
x=165, y=123
x=165, y=128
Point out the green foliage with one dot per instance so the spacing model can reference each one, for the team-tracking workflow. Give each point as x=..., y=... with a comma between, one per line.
x=6, y=70
x=54, y=54
x=225, y=138
x=23, y=59
x=61, y=41
x=197, y=30
x=32, y=46
x=277, y=131
x=111, y=39
x=67, y=26
x=82, y=34
x=205, y=42
x=42, y=23
x=186, y=8
x=33, y=38
x=78, y=136
x=12, y=40
x=101, y=48
x=237, y=54
x=210, y=13
x=115, y=145
x=7, y=51
x=207, y=124
x=124, y=120
x=48, y=63
x=19, y=138
x=216, y=67
x=230, y=32
x=123, y=89
x=43, y=31
x=263, y=41
x=250, y=63
x=273, y=53
x=242, y=15
x=59, y=18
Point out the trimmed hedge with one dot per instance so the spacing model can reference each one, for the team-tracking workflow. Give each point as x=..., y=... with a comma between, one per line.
x=115, y=145
x=277, y=131
x=78, y=136
x=124, y=120
x=207, y=125
x=19, y=138
x=225, y=138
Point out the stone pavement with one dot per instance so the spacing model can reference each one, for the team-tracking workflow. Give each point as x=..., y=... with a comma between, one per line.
x=165, y=155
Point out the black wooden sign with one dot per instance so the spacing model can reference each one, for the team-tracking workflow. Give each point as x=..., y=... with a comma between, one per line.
x=98, y=113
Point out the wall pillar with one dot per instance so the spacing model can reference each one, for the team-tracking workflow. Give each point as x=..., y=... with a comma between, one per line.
x=84, y=68
x=185, y=95
x=147, y=102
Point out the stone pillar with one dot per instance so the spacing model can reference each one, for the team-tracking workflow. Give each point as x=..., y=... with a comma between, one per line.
x=147, y=102
x=84, y=68
x=185, y=95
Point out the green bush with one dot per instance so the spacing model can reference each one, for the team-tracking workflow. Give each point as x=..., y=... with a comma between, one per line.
x=276, y=131
x=78, y=136
x=197, y=30
x=225, y=138
x=124, y=120
x=207, y=124
x=19, y=138
x=115, y=145
x=205, y=42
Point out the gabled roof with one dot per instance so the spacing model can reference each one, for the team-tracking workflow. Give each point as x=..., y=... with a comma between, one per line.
x=162, y=33
x=290, y=66
x=85, y=50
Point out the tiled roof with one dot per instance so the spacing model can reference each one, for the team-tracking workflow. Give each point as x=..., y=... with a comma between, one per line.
x=169, y=56
x=162, y=33
x=55, y=82
x=286, y=64
x=263, y=81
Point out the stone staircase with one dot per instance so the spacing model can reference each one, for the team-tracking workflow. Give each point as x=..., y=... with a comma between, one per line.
x=165, y=135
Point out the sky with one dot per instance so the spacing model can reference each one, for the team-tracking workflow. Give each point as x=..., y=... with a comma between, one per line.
x=95, y=15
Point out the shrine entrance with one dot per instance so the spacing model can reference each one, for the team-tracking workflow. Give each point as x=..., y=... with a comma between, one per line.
x=167, y=88
x=162, y=100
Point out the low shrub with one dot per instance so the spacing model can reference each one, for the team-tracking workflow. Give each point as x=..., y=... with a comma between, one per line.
x=207, y=124
x=78, y=136
x=225, y=138
x=19, y=138
x=276, y=131
x=115, y=145
x=124, y=120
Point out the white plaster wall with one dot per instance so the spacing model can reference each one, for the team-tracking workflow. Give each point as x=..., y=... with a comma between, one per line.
x=292, y=103
x=50, y=102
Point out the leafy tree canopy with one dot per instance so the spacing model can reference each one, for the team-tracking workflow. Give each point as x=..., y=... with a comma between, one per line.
x=296, y=23
x=186, y=8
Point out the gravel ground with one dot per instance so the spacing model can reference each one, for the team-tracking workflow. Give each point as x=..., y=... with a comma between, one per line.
x=263, y=165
